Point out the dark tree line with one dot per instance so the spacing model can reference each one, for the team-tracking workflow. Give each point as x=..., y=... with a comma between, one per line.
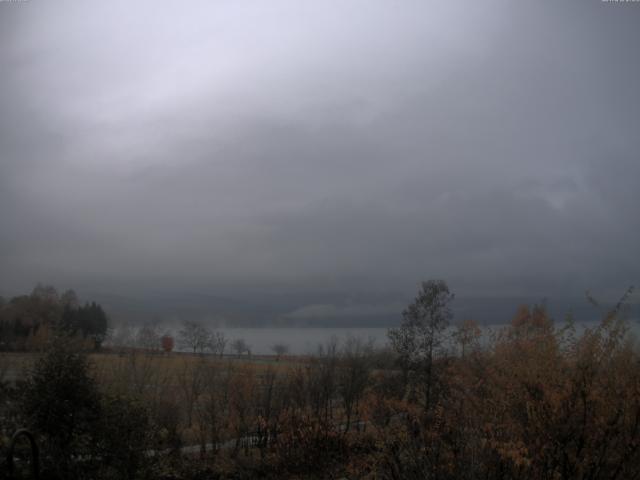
x=89, y=321
x=29, y=322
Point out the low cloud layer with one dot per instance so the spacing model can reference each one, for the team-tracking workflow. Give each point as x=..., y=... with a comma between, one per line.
x=329, y=147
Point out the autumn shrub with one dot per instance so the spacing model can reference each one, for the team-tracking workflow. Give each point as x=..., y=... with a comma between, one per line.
x=540, y=402
x=305, y=445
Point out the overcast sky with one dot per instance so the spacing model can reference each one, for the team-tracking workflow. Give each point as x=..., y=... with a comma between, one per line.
x=323, y=146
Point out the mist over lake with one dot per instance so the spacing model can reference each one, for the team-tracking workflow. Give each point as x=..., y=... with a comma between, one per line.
x=307, y=340
x=302, y=341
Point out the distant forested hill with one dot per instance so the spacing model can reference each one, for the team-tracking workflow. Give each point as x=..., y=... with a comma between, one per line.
x=320, y=310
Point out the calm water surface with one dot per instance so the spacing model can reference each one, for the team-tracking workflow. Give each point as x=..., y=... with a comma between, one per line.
x=306, y=340
x=301, y=340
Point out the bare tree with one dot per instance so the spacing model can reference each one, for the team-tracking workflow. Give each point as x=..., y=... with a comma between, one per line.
x=191, y=380
x=269, y=407
x=212, y=408
x=419, y=338
x=322, y=383
x=148, y=338
x=218, y=343
x=242, y=412
x=280, y=349
x=354, y=376
x=240, y=346
x=194, y=336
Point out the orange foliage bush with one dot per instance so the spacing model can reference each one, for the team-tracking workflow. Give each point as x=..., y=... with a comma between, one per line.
x=539, y=402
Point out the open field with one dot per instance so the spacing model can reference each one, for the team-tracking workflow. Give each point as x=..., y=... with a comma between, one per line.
x=15, y=365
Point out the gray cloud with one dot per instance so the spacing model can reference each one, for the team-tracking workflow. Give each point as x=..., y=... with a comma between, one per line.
x=323, y=147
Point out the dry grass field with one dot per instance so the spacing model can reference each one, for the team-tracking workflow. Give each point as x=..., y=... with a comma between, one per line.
x=15, y=365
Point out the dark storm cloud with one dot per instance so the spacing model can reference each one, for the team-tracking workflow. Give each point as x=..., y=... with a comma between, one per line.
x=320, y=147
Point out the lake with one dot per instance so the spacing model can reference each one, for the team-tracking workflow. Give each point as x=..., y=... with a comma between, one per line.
x=300, y=340
x=305, y=340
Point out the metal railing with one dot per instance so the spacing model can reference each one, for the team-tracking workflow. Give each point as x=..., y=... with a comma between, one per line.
x=35, y=459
